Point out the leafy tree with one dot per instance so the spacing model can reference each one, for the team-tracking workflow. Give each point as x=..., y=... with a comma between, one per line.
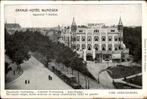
x=16, y=48
x=133, y=41
x=19, y=44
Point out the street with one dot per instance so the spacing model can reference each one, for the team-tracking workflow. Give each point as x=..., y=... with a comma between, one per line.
x=104, y=78
x=37, y=74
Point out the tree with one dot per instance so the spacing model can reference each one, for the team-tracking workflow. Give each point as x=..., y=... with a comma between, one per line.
x=19, y=44
x=16, y=48
x=133, y=41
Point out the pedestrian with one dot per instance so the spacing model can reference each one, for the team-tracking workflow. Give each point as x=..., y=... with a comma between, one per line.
x=48, y=77
x=28, y=81
x=14, y=72
x=25, y=81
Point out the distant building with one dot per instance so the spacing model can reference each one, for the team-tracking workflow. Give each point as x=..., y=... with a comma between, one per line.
x=96, y=41
x=53, y=33
x=12, y=27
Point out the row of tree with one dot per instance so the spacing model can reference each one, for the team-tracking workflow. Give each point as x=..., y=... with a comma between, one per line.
x=17, y=47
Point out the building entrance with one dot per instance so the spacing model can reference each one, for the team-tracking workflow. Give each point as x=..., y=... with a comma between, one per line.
x=89, y=57
x=98, y=57
x=107, y=57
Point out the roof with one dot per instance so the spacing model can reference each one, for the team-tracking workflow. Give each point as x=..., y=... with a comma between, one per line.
x=12, y=25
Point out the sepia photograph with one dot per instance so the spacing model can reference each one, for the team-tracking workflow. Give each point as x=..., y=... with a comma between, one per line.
x=65, y=47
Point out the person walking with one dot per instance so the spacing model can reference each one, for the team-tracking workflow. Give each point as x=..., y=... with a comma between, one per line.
x=28, y=81
x=48, y=77
x=25, y=81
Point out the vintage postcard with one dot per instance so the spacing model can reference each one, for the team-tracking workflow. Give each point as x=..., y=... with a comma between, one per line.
x=52, y=49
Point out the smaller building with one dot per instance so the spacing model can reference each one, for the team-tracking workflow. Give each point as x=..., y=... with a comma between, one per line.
x=12, y=27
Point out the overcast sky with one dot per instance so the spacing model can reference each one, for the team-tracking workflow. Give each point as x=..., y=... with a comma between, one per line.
x=108, y=14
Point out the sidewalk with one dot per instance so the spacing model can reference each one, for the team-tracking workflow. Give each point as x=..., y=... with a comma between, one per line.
x=37, y=74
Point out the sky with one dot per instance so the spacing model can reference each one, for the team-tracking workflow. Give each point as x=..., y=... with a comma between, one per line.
x=131, y=14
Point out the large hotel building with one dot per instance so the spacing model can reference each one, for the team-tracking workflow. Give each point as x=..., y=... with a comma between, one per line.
x=96, y=41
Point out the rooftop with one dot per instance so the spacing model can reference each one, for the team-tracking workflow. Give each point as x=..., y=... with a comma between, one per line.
x=12, y=25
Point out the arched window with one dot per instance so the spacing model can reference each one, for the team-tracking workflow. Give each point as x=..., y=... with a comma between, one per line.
x=96, y=30
x=83, y=46
x=103, y=47
x=103, y=38
x=78, y=46
x=115, y=38
x=119, y=39
x=96, y=46
x=83, y=38
x=116, y=47
x=96, y=38
x=78, y=38
x=110, y=47
x=109, y=38
x=89, y=38
x=89, y=46
x=120, y=46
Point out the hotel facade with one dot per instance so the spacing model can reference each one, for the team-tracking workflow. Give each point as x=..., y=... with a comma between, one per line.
x=96, y=41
